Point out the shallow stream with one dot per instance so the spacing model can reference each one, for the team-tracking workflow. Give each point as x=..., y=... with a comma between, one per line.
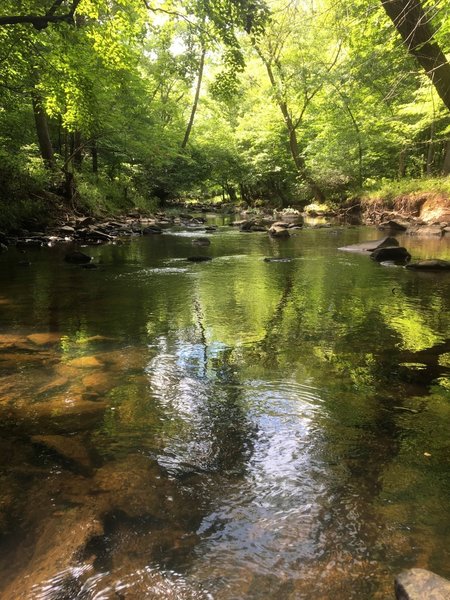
x=236, y=429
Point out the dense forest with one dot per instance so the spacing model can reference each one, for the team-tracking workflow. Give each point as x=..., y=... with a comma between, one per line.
x=112, y=104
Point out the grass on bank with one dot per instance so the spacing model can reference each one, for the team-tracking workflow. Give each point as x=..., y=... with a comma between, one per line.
x=388, y=190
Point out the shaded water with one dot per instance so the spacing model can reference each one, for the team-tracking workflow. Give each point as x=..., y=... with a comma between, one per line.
x=232, y=429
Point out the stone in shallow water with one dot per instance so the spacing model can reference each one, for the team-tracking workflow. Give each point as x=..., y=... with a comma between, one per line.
x=201, y=241
x=390, y=253
x=85, y=362
x=10, y=341
x=420, y=584
x=371, y=245
x=98, y=381
x=430, y=265
x=277, y=260
x=78, y=258
x=71, y=448
x=199, y=258
x=42, y=339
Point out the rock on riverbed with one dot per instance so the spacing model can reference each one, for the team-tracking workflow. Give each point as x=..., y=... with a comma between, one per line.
x=420, y=584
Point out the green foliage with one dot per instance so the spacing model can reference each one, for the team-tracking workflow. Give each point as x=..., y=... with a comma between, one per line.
x=388, y=189
x=117, y=88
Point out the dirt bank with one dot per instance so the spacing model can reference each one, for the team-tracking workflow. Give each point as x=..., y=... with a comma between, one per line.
x=420, y=207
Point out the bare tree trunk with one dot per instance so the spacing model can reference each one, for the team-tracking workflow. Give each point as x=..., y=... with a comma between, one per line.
x=76, y=149
x=446, y=163
x=299, y=161
x=430, y=151
x=43, y=135
x=402, y=163
x=94, y=152
x=196, y=97
x=414, y=26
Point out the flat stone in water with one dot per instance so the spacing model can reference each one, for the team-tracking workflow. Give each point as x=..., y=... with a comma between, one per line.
x=43, y=339
x=371, y=245
x=199, y=258
x=430, y=265
x=420, y=584
x=85, y=362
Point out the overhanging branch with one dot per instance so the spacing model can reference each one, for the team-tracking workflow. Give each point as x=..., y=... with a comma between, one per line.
x=42, y=21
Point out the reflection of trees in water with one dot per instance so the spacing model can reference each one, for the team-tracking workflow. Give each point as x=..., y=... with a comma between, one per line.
x=198, y=385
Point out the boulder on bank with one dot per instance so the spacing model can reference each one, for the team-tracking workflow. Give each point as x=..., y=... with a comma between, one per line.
x=420, y=584
x=398, y=253
x=430, y=265
x=428, y=230
x=152, y=230
x=371, y=245
x=393, y=225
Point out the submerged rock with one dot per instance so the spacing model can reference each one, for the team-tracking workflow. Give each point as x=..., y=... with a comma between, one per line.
x=420, y=584
x=390, y=253
x=71, y=448
x=43, y=339
x=199, y=258
x=430, y=265
x=78, y=258
x=201, y=241
x=371, y=245
x=85, y=362
x=277, y=260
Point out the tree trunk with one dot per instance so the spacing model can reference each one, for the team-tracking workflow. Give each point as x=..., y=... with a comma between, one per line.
x=298, y=159
x=94, y=152
x=446, y=163
x=196, y=97
x=43, y=135
x=414, y=26
x=430, y=152
x=402, y=163
x=77, y=155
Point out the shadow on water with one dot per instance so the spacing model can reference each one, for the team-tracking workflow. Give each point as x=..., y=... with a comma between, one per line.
x=236, y=429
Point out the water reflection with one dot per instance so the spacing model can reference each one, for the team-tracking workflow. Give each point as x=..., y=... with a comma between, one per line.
x=236, y=429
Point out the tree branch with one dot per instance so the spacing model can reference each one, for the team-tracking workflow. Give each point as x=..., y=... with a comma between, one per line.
x=42, y=21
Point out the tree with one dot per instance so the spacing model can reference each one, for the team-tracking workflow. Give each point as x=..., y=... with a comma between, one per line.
x=53, y=14
x=415, y=26
x=292, y=52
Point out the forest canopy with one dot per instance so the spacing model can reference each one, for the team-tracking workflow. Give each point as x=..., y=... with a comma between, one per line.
x=118, y=103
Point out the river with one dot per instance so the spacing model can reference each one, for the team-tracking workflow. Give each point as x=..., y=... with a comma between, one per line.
x=236, y=429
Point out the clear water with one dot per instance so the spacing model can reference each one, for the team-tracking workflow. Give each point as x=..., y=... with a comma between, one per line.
x=231, y=429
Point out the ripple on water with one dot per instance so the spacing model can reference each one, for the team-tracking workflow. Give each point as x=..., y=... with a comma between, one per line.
x=81, y=583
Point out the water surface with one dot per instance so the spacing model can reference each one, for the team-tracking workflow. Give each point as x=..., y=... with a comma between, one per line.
x=232, y=429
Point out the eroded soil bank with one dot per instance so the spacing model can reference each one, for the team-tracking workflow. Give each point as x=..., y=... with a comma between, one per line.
x=419, y=209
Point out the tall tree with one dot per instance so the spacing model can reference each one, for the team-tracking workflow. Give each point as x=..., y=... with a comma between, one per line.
x=416, y=29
